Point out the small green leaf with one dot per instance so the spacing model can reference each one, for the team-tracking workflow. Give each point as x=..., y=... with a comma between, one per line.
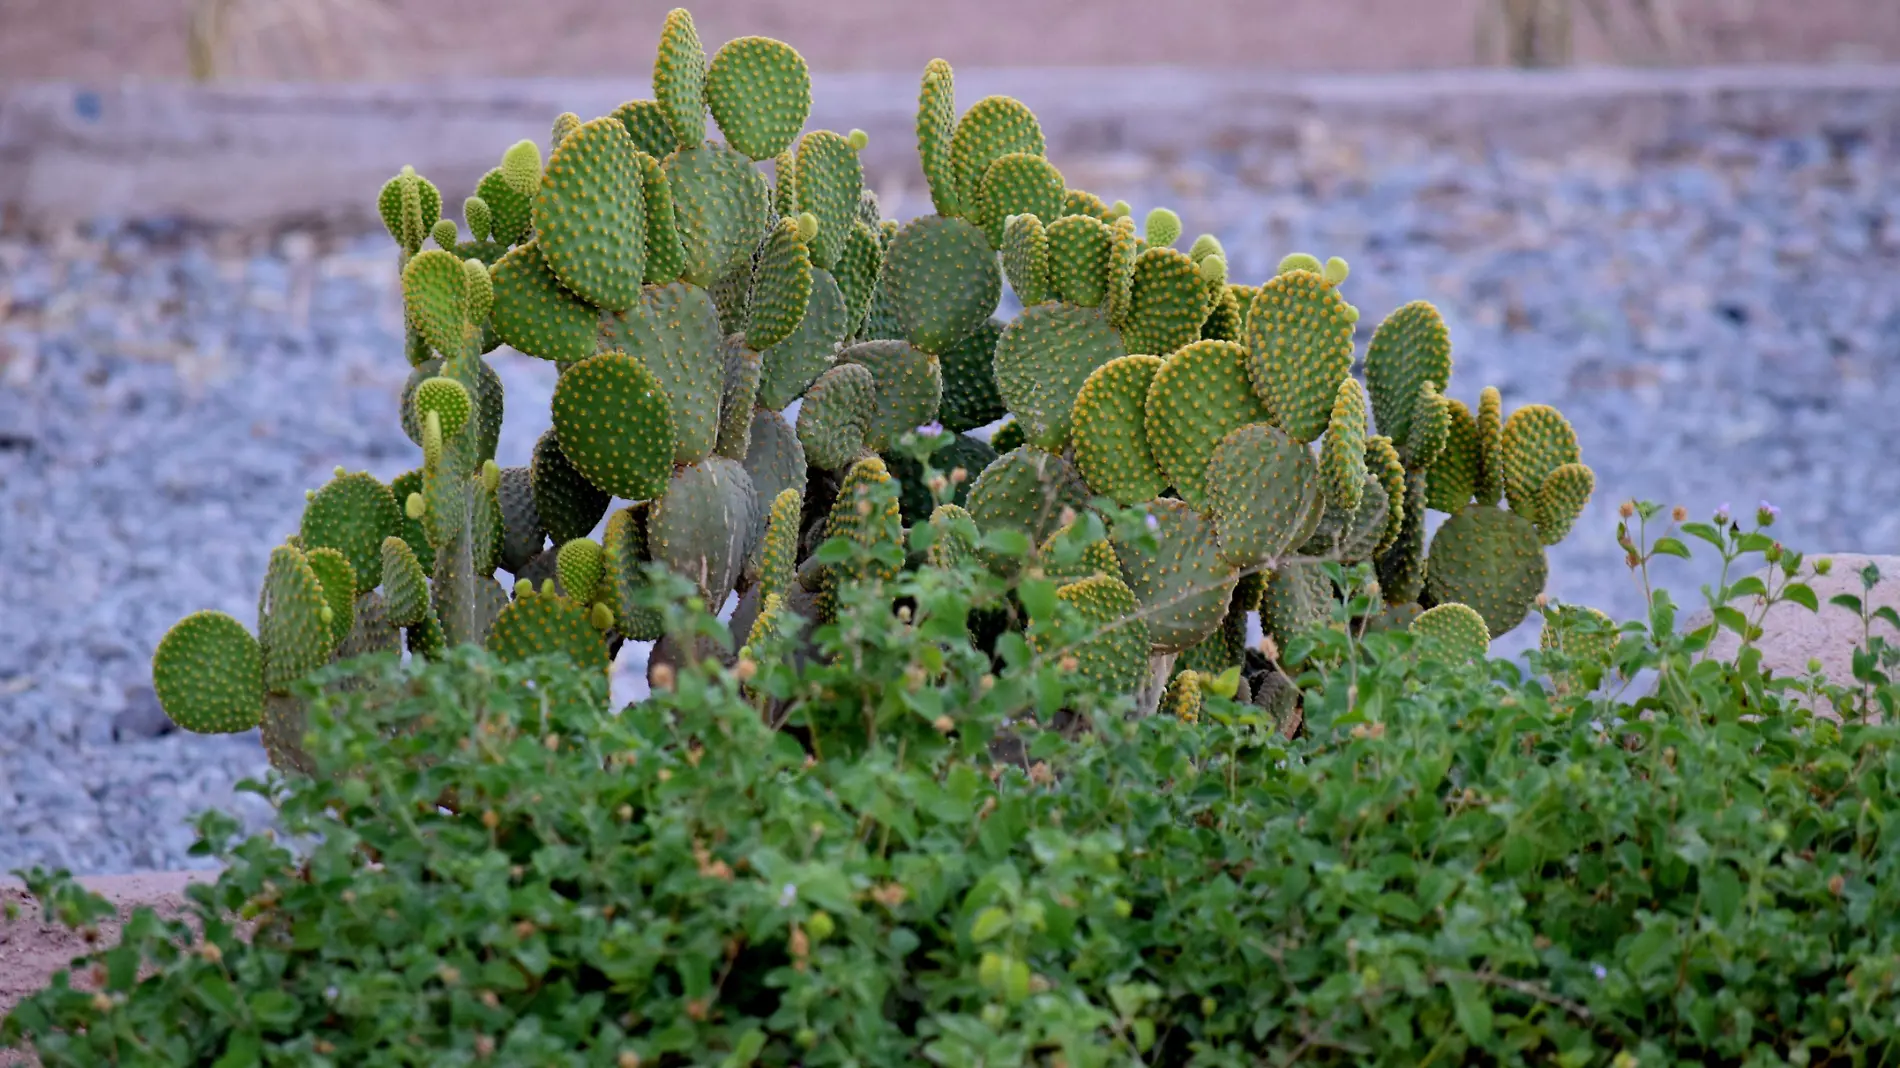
x=1800, y=593
x=1669, y=547
x=988, y=924
x=1847, y=601
x=1473, y=1011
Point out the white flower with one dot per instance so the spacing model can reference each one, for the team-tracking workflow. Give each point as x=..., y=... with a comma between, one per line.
x=788, y=895
x=1599, y=971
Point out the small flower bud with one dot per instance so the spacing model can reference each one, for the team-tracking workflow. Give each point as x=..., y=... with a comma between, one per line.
x=1626, y=509
x=1679, y=513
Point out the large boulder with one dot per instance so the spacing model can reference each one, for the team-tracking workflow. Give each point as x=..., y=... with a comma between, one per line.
x=1792, y=636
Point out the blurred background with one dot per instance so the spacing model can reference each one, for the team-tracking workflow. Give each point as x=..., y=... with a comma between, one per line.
x=423, y=39
x=1676, y=220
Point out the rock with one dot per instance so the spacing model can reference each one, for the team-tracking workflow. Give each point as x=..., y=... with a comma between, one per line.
x=1792, y=637
x=142, y=717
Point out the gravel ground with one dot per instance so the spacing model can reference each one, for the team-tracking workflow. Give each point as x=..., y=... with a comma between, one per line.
x=1721, y=327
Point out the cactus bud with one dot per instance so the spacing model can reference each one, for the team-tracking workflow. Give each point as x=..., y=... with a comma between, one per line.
x=412, y=506
x=1300, y=261
x=521, y=167
x=857, y=139
x=1335, y=270
x=491, y=475
x=601, y=616
x=309, y=495
x=807, y=226
x=446, y=401
x=431, y=436
x=523, y=587
x=1204, y=246
x=1162, y=228
x=547, y=587
x=480, y=221
x=444, y=233
x=1352, y=314
x=481, y=289
x=565, y=123
x=326, y=613
x=1214, y=270
x=1120, y=209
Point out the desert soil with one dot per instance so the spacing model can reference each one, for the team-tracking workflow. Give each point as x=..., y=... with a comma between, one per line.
x=424, y=39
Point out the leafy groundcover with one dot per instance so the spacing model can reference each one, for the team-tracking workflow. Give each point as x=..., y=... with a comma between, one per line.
x=903, y=858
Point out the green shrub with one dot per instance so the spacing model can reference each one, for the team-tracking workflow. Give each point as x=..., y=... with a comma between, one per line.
x=899, y=861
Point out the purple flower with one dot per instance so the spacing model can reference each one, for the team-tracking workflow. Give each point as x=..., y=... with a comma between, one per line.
x=930, y=429
x=1766, y=513
x=1153, y=523
x=1722, y=515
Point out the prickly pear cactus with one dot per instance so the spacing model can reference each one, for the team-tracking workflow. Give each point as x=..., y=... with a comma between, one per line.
x=691, y=294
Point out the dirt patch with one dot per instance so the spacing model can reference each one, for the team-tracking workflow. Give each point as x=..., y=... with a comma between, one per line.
x=32, y=950
x=109, y=40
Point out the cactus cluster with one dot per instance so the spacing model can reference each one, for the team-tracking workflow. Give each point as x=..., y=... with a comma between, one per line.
x=690, y=298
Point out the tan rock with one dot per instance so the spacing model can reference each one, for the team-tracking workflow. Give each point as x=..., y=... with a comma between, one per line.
x=1793, y=637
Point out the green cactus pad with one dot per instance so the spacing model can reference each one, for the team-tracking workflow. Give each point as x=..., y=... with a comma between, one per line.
x=1008, y=437
x=1562, y=500
x=683, y=327
x=1227, y=646
x=732, y=295
x=1041, y=361
x=830, y=184
x=944, y=280
x=936, y=126
x=1490, y=419
x=785, y=184
x=790, y=366
x=1454, y=474
x=1585, y=636
x=1018, y=183
x=622, y=554
x=1261, y=486
x=564, y=125
x=860, y=261
x=743, y=368
x=1355, y=535
x=569, y=505
x=1536, y=440
x=867, y=482
x=447, y=399
x=1456, y=629
x=1299, y=334
x=401, y=205
x=338, y=580
x=1199, y=395
x=1431, y=428
x=1083, y=202
x=1167, y=303
x=1297, y=596
x=1079, y=248
x=1026, y=260
x=590, y=216
x=880, y=320
x=778, y=552
x=405, y=584
x=536, y=314
x=290, y=625
x=446, y=234
x=1410, y=348
x=1123, y=251
x=719, y=206
x=523, y=536
x=352, y=514
x=1097, y=558
x=1026, y=490
x=400, y=488
x=509, y=212
x=1226, y=320
x=1111, y=430
x=908, y=387
x=614, y=424
x=703, y=528
x=1490, y=559
x=1342, y=455
x=956, y=535
x=666, y=257
x=781, y=287
x=1162, y=228
x=776, y=460
x=537, y=624
x=1401, y=565
x=1113, y=660
x=208, y=673
x=578, y=567
x=970, y=397
x=679, y=79
x=1183, y=585
x=647, y=124
x=1184, y=698
x=836, y=416
x=435, y=298
x=759, y=91
x=993, y=128
x=1383, y=463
